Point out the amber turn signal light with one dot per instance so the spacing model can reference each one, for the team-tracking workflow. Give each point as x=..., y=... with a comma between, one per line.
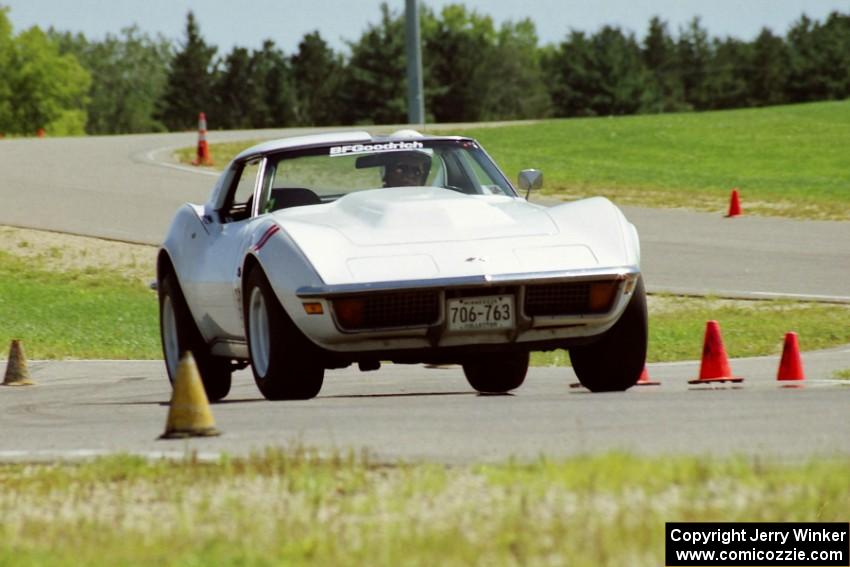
x=602, y=295
x=313, y=308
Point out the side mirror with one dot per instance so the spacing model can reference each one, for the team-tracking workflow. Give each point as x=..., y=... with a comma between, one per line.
x=530, y=179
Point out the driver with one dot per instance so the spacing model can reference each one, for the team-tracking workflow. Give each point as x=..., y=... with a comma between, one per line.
x=406, y=169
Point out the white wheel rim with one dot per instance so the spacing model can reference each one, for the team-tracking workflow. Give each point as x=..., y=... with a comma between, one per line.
x=258, y=330
x=169, y=337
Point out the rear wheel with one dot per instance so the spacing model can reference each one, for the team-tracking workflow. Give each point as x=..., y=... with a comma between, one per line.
x=284, y=362
x=615, y=361
x=497, y=373
x=180, y=334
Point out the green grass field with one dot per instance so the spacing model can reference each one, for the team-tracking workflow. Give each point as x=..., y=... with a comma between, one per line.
x=294, y=508
x=88, y=313
x=785, y=161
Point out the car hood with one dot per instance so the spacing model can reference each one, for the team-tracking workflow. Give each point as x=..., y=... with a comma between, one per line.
x=425, y=232
x=428, y=214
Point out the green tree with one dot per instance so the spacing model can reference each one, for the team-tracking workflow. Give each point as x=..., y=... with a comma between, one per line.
x=253, y=89
x=375, y=86
x=128, y=77
x=274, y=77
x=235, y=90
x=664, y=87
x=317, y=74
x=620, y=74
x=454, y=47
x=190, y=84
x=574, y=76
x=804, y=81
x=768, y=69
x=600, y=75
x=727, y=81
x=43, y=88
x=833, y=45
x=509, y=76
x=693, y=55
x=7, y=50
x=819, y=57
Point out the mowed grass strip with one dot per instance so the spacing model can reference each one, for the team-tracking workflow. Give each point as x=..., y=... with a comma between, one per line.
x=786, y=160
x=90, y=313
x=293, y=507
x=749, y=328
x=102, y=314
x=220, y=153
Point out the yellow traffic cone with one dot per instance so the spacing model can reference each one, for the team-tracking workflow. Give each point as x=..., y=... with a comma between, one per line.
x=17, y=372
x=189, y=414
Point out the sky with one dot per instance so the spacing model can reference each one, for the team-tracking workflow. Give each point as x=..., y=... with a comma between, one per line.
x=226, y=24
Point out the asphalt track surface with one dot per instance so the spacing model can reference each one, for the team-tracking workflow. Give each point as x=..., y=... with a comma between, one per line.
x=126, y=188
x=411, y=413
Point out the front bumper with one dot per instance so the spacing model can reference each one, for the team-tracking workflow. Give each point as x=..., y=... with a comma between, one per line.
x=531, y=332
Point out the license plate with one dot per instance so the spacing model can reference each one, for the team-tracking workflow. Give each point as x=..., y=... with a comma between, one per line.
x=483, y=313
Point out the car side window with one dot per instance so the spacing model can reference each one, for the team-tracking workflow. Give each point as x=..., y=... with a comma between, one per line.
x=457, y=173
x=239, y=203
x=476, y=168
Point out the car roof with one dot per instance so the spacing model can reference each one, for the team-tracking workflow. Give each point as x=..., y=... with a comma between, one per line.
x=346, y=137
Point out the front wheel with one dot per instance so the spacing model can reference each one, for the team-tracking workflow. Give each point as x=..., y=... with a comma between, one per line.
x=497, y=373
x=180, y=334
x=283, y=360
x=614, y=362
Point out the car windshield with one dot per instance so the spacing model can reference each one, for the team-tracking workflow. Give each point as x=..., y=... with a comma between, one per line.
x=327, y=173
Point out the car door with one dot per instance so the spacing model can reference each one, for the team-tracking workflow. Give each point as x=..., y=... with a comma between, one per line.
x=229, y=236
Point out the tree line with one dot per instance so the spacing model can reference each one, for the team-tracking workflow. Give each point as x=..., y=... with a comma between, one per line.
x=473, y=70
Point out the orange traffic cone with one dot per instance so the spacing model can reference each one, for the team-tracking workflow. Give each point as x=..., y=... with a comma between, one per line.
x=203, y=155
x=734, y=204
x=644, y=379
x=791, y=366
x=17, y=371
x=189, y=412
x=715, y=365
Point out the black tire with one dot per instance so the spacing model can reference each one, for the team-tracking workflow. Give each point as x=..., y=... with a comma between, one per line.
x=497, y=373
x=284, y=362
x=614, y=362
x=179, y=334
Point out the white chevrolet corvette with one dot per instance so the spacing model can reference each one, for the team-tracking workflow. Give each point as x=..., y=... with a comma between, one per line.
x=322, y=251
